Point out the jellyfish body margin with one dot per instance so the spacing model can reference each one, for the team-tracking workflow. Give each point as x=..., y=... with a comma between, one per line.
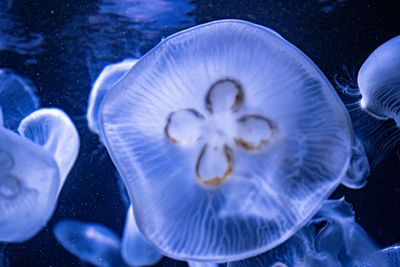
x=379, y=81
x=200, y=141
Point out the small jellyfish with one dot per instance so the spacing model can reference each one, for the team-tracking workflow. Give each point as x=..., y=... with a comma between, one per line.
x=379, y=81
x=107, y=78
x=52, y=129
x=29, y=182
x=228, y=139
x=135, y=249
x=17, y=98
x=331, y=238
x=90, y=242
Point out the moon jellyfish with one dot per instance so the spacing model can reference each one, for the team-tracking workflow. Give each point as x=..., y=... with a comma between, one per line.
x=331, y=238
x=379, y=81
x=29, y=181
x=135, y=250
x=90, y=242
x=228, y=139
x=107, y=78
x=52, y=129
x=17, y=99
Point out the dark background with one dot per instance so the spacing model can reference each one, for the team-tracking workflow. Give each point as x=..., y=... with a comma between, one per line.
x=77, y=42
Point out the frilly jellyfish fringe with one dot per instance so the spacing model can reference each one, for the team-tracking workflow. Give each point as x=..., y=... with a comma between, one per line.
x=225, y=131
x=331, y=238
x=359, y=169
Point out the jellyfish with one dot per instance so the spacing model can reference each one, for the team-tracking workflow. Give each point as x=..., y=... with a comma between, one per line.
x=331, y=238
x=52, y=129
x=17, y=98
x=378, y=137
x=225, y=135
x=392, y=255
x=379, y=81
x=107, y=78
x=135, y=249
x=29, y=182
x=15, y=37
x=90, y=242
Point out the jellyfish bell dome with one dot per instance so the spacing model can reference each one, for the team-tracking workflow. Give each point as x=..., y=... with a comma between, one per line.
x=90, y=242
x=29, y=181
x=379, y=81
x=52, y=129
x=107, y=78
x=228, y=139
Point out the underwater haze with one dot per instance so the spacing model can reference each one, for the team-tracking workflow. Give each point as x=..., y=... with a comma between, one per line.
x=56, y=51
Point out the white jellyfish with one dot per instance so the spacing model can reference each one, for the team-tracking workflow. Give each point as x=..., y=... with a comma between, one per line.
x=34, y=168
x=228, y=139
x=29, y=182
x=135, y=249
x=17, y=98
x=331, y=238
x=90, y=242
x=107, y=78
x=52, y=129
x=379, y=81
